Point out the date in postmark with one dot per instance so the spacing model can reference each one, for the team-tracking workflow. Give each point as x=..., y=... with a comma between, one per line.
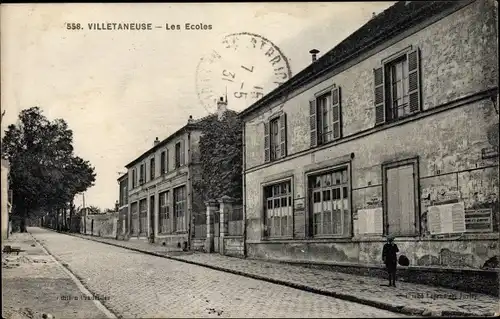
x=245, y=66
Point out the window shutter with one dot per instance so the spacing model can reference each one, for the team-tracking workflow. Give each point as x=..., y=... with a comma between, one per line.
x=337, y=113
x=313, y=123
x=379, y=95
x=414, y=80
x=166, y=161
x=283, y=135
x=183, y=151
x=267, y=146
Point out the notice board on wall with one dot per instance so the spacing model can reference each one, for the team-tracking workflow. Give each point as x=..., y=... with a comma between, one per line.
x=446, y=219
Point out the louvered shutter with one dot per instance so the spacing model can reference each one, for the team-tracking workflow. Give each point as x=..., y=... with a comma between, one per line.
x=313, y=123
x=379, y=95
x=283, y=135
x=414, y=80
x=267, y=146
x=183, y=153
x=337, y=113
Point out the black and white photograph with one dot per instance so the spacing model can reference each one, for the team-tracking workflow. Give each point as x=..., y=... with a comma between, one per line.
x=250, y=159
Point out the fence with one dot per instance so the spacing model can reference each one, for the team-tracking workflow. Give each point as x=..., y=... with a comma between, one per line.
x=200, y=225
x=235, y=221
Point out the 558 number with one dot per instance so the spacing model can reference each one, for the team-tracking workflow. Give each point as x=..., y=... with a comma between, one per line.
x=73, y=26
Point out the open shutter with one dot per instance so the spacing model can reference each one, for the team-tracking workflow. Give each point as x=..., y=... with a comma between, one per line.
x=336, y=110
x=379, y=95
x=283, y=135
x=313, y=123
x=267, y=146
x=183, y=153
x=166, y=161
x=414, y=80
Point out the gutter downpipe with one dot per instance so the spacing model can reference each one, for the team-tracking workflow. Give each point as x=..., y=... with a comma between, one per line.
x=244, y=193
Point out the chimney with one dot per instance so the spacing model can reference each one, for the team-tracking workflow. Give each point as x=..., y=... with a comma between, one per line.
x=156, y=141
x=190, y=120
x=313, y=53
x=221, y=108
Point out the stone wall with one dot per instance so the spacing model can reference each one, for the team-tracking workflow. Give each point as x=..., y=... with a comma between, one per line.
x=234, y=246
x=102, y=225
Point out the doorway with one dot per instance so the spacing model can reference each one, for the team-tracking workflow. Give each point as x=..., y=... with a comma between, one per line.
x=152, y=218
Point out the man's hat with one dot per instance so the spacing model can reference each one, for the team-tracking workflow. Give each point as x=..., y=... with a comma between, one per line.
x=390, y=237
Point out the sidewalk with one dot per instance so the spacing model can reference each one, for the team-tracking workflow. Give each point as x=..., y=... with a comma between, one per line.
x=35, y=285
x=407, y=298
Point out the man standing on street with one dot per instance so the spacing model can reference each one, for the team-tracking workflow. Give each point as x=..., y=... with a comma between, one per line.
x=389, y=256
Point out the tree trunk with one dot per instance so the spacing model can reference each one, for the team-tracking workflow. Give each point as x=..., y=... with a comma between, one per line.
x=71, y=212
x=22, y=226
x=65, y=220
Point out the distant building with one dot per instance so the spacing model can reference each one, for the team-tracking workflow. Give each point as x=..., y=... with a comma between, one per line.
x=161, y=200
x=6, y=200
x=123, y=216
x=393, y=131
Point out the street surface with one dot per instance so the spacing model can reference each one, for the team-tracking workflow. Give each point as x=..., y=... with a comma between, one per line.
x=133, y=284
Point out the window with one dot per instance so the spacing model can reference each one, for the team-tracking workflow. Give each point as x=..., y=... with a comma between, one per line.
x=152, y=168
x=275, y=138
x=179, y=154
x=325, y=117
x=329, y=203
x=162, y=163
x=397, y=88
x=180, y=208
x=400, y=203
x=142, y=174
x=165, y=218
x=134, y=180
x=123, y=192
x=278, y=210
x=135, y=218
x=143, y=216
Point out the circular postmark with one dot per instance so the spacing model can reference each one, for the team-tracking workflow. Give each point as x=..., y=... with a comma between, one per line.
x=244, y=67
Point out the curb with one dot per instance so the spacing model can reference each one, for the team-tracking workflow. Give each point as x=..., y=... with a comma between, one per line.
x=376, y=304
x=99, y=304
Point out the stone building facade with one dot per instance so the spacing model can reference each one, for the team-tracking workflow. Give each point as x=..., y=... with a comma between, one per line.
x=123, y=216
x=161, y=200
x=5, y=201
x=393, y=131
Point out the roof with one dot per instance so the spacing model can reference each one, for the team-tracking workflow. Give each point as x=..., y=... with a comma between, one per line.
x=191, y=125
x=122, y=177
x=382, y=27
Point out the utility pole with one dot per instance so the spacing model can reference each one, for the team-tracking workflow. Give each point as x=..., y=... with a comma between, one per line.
x=84, y=216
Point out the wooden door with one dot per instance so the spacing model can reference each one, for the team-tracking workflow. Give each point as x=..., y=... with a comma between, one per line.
x=400, y=200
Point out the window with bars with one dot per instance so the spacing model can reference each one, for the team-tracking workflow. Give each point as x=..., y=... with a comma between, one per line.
x=397, y=88
x=134, y=211
x=326, y=117
x=278, y=210
x=275, y=138
x=162, y=163
x=180, y=208
x=329, y=203
x=143, y=216
x=165, y=216
x=152, y=168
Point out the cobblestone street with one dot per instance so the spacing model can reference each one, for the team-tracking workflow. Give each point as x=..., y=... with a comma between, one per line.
x=138, y=285
x=406, y=298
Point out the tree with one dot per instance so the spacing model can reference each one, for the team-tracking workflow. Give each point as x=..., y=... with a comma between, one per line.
x=221, y=158
x=45, y=174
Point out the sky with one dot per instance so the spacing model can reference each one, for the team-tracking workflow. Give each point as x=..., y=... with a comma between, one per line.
x=120, y=89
